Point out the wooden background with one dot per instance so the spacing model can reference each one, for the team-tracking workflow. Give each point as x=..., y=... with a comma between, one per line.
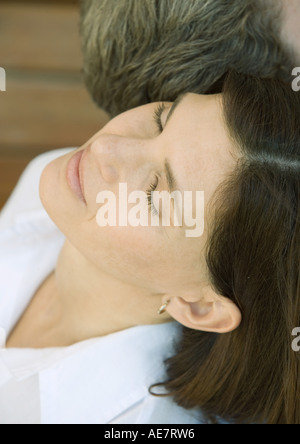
x=46, y=105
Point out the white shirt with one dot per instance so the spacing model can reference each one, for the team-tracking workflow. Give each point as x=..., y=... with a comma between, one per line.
x=99, y=381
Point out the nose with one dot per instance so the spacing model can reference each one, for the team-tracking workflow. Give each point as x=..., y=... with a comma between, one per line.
x=119, y=158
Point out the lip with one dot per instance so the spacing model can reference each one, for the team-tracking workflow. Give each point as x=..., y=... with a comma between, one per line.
x=74, y=176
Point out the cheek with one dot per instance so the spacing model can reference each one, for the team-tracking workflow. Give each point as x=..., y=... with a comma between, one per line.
x=134, y=245
x=134, y=254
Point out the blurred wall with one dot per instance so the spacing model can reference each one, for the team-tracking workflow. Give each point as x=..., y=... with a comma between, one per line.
x=45, y=105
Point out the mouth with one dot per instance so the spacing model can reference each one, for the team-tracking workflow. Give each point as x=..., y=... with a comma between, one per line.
x=74, y=176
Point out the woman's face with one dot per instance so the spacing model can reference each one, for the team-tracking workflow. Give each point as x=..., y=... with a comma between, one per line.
x=193, y=148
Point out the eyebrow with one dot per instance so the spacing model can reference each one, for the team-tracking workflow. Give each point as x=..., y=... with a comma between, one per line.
x=172, y=183
x=174, y=106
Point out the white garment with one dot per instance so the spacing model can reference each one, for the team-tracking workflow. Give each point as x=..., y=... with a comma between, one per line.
x=99, y=381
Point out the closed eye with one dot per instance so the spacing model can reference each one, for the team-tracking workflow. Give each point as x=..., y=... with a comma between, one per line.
x=157, y=116
x=149, y=193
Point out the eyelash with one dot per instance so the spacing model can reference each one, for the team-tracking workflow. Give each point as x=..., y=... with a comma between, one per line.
x=149, y=192
x=157, y=116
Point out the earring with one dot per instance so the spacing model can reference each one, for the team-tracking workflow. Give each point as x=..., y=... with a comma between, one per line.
x=163, y=308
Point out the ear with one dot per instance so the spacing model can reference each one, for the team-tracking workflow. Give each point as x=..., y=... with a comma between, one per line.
x=210, y=312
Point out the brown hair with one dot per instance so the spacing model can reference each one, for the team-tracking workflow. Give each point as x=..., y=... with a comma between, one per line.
x=137, y=52
x=253, y=255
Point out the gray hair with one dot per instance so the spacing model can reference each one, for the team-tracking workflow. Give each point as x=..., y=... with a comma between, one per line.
x=140, y=51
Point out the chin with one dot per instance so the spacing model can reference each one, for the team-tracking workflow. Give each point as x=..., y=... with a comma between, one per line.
x=56, y=197
x=51, y=190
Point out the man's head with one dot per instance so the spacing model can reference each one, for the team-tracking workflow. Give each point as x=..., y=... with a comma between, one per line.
x=137, y=52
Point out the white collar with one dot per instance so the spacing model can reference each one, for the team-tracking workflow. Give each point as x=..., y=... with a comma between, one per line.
x=122, y=365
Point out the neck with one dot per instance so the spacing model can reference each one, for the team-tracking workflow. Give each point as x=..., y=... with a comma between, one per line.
x=91, y=303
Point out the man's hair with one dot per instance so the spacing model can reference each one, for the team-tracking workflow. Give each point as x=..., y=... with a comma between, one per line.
x=136, y=52
x=251, y=375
